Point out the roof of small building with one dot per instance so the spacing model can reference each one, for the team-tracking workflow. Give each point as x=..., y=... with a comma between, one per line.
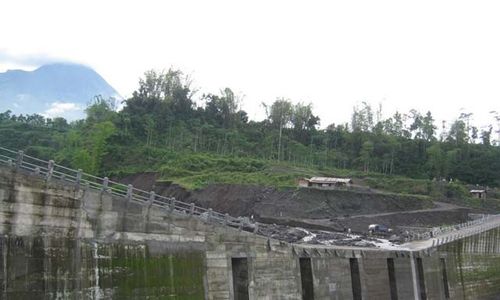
x=330, y=180
x=477, y=191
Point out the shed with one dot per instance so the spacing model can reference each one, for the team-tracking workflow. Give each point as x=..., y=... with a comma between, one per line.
x=480, y=194
x=325, y=182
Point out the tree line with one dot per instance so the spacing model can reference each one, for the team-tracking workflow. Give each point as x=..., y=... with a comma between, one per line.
x=162, y=117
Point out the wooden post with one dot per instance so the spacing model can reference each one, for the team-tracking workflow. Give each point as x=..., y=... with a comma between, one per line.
x=191, y=209
x=226, y=218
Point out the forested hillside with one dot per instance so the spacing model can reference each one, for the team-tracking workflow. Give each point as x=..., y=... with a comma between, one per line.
x=161, y=128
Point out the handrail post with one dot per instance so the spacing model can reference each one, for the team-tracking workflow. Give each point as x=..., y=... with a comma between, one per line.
x=209, y=216
x=172, y=204
x=105, y=183
x=50, y=169
x=129, y=192
x=191, y=209
x=19, y=159
x=226, y=218
x=79, y=176
x=152, y=196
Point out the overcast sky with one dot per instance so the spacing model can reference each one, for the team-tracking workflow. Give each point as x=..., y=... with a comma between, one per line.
x=442, y=56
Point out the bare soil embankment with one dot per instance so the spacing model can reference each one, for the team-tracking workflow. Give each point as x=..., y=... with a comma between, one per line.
x=309, y=207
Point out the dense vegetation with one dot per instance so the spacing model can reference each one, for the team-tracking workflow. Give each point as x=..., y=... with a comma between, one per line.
x=161, y=128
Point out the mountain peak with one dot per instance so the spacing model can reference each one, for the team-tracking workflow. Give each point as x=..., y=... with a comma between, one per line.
x=63, y=65
x=37, y=91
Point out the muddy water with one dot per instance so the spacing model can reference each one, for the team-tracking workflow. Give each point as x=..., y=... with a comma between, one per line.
x=48, y=268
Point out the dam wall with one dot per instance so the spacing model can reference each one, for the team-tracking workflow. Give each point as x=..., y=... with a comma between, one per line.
x=67, y=241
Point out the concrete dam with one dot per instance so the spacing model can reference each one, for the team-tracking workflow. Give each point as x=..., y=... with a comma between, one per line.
x=65, y=234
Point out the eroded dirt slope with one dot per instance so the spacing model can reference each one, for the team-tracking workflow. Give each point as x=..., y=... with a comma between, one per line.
x=325, y=208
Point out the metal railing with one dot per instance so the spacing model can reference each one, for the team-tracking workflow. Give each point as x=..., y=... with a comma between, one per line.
x=445, y=234
x=53, y=171
x=442, y=235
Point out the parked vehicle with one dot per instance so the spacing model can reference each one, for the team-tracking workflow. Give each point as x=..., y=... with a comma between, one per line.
x=379, y=228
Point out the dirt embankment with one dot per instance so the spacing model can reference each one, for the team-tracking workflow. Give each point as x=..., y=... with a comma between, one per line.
x=303, y=203
x=309, y=207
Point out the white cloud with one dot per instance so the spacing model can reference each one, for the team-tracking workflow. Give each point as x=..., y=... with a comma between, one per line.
x=66, y=110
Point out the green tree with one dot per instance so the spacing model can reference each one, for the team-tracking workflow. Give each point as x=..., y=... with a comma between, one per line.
x=223, y=109
x=362, y=118
x=436, y=161
x=486, y=136
x=101, y=109
x=428, y=127
x=458, y=134
x=303, y=121
x=366, y=155
x=280, y=114
x=98, y=136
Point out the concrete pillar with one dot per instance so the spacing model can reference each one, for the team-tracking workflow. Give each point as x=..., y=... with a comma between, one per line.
x=79, y=176
x=209, y=216
x=130, y=190
x=105, y=183
x=19, y=159
x=152, y=196
x=172, y=204
x=240, y=226
x=414, y=277
x=50, y=168
x=375, y=277
x=404, y=278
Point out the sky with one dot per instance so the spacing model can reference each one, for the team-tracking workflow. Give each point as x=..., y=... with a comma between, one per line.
x=442, y=56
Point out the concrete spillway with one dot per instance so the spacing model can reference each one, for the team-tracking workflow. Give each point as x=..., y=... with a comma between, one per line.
x=65, y=241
